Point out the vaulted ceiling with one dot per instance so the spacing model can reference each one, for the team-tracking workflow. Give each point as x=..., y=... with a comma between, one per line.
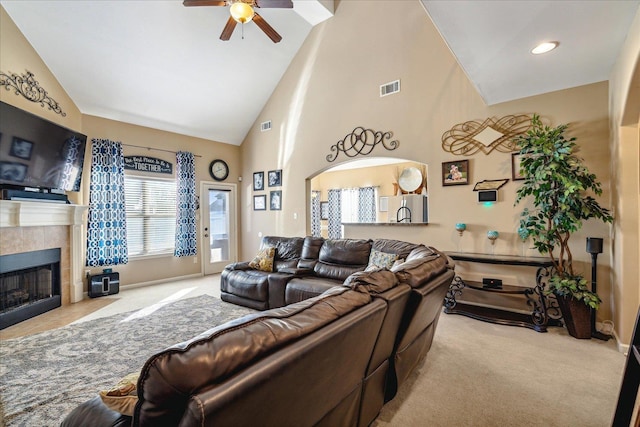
x=120, y=59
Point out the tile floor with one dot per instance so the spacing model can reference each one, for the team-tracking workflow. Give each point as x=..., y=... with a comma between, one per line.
x=128, y=299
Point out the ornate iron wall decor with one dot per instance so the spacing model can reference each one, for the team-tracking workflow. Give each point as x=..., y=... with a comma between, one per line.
x=362, y=141
x=493, y=134
x=27, y=86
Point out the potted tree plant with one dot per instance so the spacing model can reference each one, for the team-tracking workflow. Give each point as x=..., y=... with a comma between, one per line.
x=560, y=186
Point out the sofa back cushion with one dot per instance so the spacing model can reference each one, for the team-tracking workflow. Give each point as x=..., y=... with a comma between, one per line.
x=288, y=250
x=397, y=247
x=340, y=258
x=169, y=378
x=310, y=252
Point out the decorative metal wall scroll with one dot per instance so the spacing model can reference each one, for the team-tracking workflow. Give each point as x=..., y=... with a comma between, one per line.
x=27, y=86
x=362, y=141
x=493, y=134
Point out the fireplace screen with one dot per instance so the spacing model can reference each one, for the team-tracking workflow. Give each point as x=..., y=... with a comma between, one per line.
x=29, y=285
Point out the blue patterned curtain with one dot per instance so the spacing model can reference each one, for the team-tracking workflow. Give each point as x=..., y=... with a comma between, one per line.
x=186, y=205
x=335, y=214
x=107, y=227
x=315, y=214
x=367, y=204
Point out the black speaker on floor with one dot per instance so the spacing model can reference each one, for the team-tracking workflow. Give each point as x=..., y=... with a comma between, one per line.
x=104, y=284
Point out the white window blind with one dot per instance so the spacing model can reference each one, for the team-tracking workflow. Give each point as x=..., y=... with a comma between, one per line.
x=151, y=215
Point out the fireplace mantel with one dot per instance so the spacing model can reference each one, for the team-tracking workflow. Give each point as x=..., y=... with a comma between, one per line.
x=42, y=214
x=34, y=214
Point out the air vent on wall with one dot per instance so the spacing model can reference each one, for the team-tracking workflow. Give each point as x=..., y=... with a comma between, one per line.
x=390, y=88
x=265, y=126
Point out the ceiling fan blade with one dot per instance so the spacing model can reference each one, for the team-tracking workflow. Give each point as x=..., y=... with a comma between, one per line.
x=228, y=29
x=204, y=3
x=268, y=29
x=286, y=4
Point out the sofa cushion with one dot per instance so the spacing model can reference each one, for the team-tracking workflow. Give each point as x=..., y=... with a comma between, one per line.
x=263, y=261
x=251, y=284
x=379, y=259
x=310, y=252
x=390, y=246
x=372, y=282
x=302, y=288
x=421, y=264
x=340, y=258
x=123, y=396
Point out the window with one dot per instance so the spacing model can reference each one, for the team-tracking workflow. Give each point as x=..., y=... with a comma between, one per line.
x=151, y=215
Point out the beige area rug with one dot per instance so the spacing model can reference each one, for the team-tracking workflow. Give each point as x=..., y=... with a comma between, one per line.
x=481, y=374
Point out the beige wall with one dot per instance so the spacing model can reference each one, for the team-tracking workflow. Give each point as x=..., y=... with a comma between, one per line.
x=332, y=86
x=159, y=268
x=17, y=55
x=624, y=99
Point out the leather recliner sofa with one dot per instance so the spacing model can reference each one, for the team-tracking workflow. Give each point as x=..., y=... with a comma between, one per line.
x=329, y=360
x=321, y=264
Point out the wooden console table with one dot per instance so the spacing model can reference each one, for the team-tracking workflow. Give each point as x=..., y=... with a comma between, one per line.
x=539, y=318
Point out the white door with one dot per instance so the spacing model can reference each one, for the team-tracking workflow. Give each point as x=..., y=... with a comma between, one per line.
x=219, y=232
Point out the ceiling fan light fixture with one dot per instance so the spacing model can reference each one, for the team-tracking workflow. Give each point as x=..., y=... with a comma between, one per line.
x=544, y=48
x=241, y=12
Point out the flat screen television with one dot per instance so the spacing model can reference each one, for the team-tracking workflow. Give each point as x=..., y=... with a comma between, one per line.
x=38, y=154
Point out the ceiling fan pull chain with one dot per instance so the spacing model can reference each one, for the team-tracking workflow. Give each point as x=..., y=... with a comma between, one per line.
x=242, y=30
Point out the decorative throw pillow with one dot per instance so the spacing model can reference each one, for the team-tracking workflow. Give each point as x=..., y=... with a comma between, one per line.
x=264, y=260
x=379, y=260
x=123, y=397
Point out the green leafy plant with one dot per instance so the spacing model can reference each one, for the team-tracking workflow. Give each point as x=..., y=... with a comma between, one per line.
x=560, y=186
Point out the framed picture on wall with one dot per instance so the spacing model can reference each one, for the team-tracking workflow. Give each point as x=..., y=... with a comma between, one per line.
x=258, y=181
x=11, y=171
x=21, y=148
x=275, y=178
x=455, y=173
x=516, y=158
x=324, y=210
x=260, y=202
x=275, y=200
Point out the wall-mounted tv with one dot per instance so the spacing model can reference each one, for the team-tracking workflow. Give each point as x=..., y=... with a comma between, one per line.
x=36, y=153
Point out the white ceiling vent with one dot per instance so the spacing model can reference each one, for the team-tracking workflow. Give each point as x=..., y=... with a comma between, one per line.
x=265, y=126
x=390, y=88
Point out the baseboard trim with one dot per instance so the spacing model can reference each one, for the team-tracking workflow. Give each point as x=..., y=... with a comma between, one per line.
x=159, y=281
x=85, y=295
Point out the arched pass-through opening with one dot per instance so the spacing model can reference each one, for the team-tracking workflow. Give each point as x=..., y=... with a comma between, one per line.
x=380, y=172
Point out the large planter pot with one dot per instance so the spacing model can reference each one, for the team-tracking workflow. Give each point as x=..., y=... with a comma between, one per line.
x=577, y=317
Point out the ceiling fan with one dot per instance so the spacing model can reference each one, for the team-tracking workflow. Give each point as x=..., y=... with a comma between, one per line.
x=243, y=11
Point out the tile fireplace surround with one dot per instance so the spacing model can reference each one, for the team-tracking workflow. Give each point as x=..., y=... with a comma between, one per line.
x=30, y=226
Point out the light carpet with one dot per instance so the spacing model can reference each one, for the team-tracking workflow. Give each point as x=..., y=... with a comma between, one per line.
x=44, y=376
x=482, y=374
x=476, y=374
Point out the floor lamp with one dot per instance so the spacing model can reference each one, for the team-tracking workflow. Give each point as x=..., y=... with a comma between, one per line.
x=594, y=247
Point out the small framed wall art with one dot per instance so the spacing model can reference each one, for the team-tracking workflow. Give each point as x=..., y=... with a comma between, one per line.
x=258, y=181
x=516, y=158
x=21, y=148
x=275, y=200
x=260, y=202
x=455, y=173
x=275, y=178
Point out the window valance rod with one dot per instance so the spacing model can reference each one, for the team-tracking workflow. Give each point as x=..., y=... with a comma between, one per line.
x=156, y=149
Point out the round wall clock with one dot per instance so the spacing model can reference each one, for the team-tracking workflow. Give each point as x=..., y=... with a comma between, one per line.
x=219, y=170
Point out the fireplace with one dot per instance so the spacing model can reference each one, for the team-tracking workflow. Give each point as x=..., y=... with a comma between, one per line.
x=29, y=285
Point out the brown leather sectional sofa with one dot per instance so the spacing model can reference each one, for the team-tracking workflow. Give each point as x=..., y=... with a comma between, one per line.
x=328, y=360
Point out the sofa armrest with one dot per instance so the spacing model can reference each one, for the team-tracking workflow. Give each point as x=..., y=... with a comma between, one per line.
x=243, y=265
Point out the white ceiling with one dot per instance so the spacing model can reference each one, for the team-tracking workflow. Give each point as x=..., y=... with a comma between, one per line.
x=162, y=65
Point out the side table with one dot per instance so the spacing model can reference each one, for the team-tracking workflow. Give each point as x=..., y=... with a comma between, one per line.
x=535, y=296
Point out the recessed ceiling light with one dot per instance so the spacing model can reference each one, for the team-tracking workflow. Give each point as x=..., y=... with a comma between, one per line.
x=544, y=47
